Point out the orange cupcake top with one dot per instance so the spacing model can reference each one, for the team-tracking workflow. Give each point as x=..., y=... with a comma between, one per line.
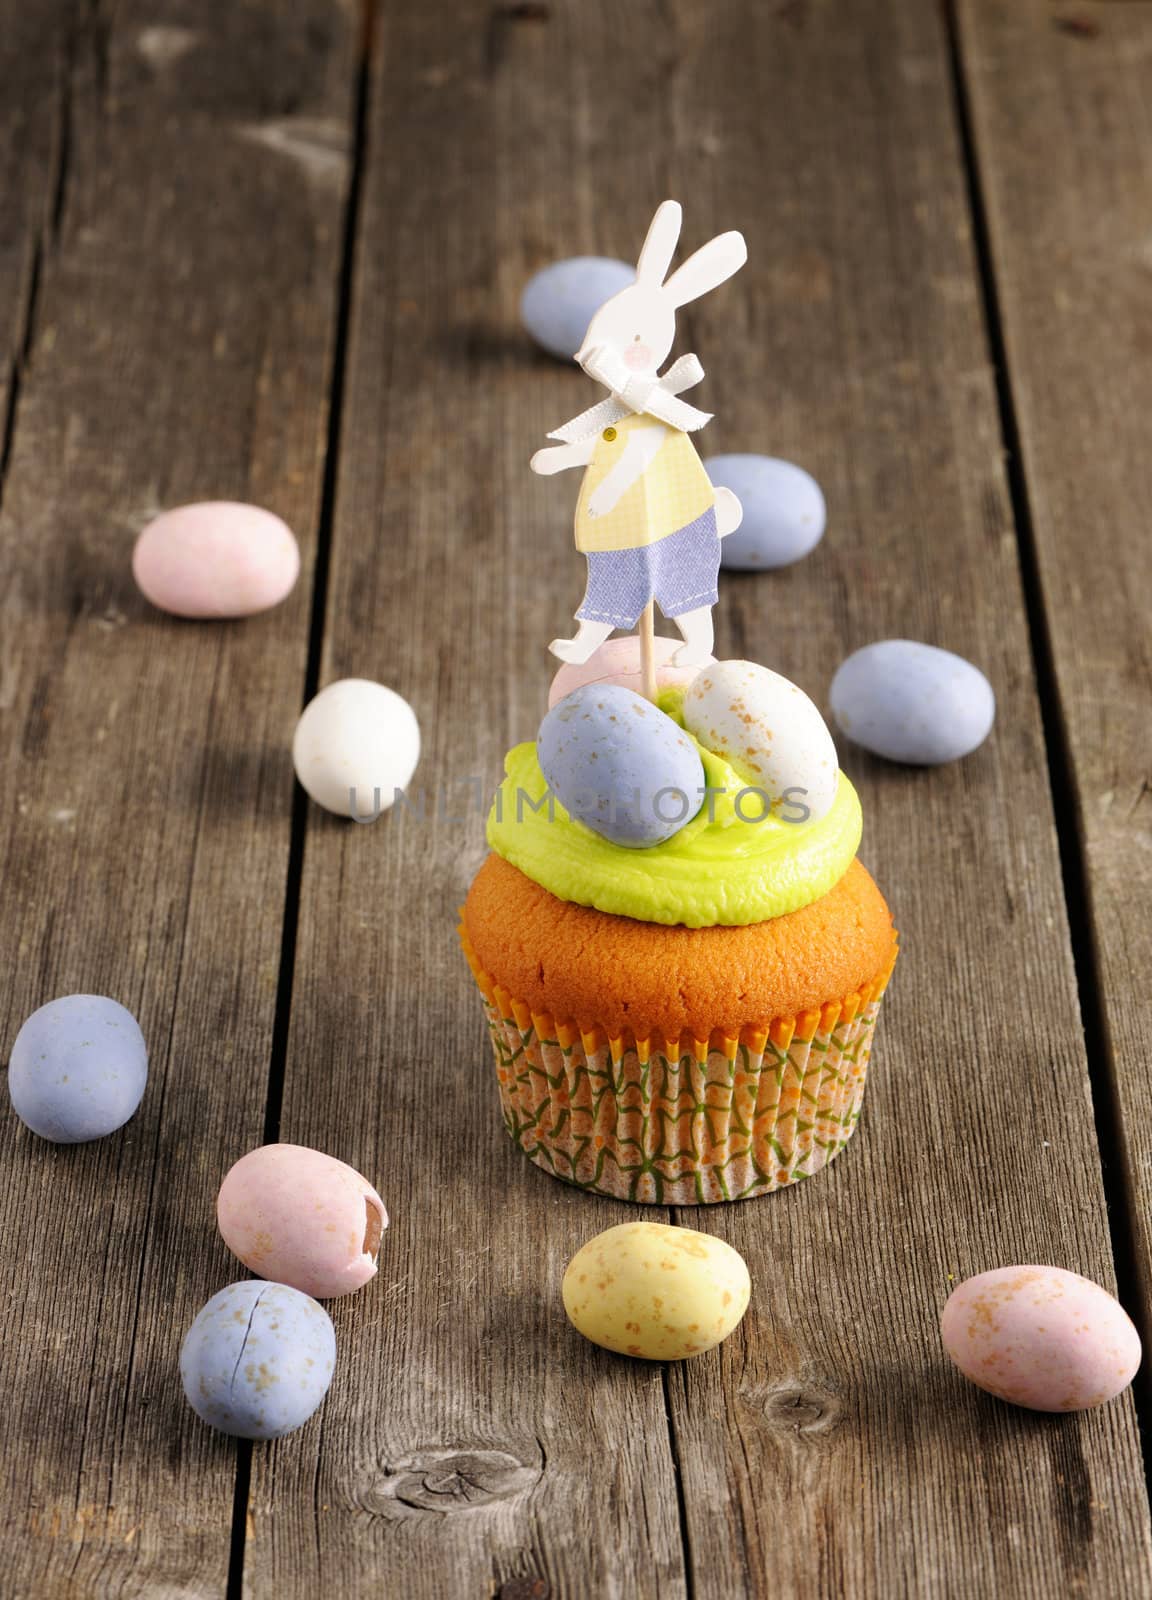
x=640, y=978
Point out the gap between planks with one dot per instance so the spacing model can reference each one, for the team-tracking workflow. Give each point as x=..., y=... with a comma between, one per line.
x=283, y=1010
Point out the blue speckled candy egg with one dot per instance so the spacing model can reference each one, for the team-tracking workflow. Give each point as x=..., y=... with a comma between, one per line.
x=258, y=1360
x=560, y=301
x=619, y=764
x=912, y=702
x=78, y=1068
x=784, y=511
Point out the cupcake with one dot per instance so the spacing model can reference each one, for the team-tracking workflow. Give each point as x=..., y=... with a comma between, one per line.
x=680, y=958
x=680, y=965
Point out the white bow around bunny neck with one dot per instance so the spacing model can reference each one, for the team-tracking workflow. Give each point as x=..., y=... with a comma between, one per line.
x=633, y=393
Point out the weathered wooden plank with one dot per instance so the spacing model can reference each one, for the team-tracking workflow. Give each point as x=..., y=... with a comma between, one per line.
x=1061, y=121
x=181, y=350
x=35, y=44
x=865, y=358
x=828, y=1448
x=471, y=1438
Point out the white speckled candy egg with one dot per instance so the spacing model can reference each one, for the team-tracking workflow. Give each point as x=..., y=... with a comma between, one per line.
x=302, y=1218
x=355, y=745
x=258, y=1360
x=784, y=511
x=1041, y=1337
x=216, y=559
x=78, y=1069
x=770, y=732
x=618, y=661
x=560, y=301
x=912, y=702
x=644, y=1289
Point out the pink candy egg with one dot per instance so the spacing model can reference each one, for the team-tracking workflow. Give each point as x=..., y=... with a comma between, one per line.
x=216, y=559
x=1041, y=1337
x=618, y=661
x=299, y=1217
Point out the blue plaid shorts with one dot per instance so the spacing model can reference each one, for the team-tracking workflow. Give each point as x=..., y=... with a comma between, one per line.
x=679, y=572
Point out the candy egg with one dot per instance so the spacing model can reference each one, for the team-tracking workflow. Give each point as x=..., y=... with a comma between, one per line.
x=912, y=702
x=356, y=744
x=78, y=1068
x=772, y=735
x=302, y=1218
x=216, y=559
x=258, y=1360
x=1041, y=1337
x=784, y=511
x=644, y=1289
x=560, y=301
x=618, y=661
x=620, y=765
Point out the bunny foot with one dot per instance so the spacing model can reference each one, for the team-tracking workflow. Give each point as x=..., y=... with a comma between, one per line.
x=696, y=629
x=589, y=637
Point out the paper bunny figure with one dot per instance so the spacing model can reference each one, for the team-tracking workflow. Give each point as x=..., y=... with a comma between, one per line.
x=648, y=518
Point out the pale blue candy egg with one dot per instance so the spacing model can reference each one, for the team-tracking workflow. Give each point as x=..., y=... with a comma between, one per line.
x=620, y=764
x=78, y=1068
x=258, y=1359
x=912, y=702
x=784, y=511
x=560, y=301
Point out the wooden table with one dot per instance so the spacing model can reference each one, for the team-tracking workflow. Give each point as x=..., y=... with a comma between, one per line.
x=273, y=253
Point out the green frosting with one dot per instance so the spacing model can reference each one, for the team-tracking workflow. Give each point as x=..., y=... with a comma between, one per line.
x=718, y=869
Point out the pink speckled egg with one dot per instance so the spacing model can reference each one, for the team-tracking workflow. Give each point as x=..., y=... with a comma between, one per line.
x=216, y=559
x=297, y=1216
x=1041, y=1337
x=618, y=661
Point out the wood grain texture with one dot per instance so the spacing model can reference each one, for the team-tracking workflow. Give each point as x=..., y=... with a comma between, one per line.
x=826, y=1449
x=471, y=1438
x=1064, y=135
x=35, y=44
x=180, y=351
x=865, y=359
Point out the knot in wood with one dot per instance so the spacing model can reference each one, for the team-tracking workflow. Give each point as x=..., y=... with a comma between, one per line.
x=803, y=1409
x=439, y=1480
x=524, y=1589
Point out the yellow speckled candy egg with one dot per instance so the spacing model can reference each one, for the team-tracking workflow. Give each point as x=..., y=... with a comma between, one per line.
x=644, y=1289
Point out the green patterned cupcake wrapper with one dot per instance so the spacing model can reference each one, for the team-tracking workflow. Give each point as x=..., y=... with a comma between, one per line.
x=692, y=1122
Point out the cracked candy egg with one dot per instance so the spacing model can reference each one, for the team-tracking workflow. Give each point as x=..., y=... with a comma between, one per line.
x=258, y=1359
x=645, y=1289
x=769, y=732
x=303, y=1218
x=1041, y=1337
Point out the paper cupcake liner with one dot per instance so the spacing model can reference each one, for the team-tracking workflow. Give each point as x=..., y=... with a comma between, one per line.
x=686, y=1121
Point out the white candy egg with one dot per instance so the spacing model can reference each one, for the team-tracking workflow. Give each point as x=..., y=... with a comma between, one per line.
x=355, y=745
x=770, y=732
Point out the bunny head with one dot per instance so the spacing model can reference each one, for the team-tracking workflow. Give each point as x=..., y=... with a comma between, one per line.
x=639, y=323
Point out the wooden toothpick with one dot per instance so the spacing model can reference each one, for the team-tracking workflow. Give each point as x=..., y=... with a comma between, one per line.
x=647, y=631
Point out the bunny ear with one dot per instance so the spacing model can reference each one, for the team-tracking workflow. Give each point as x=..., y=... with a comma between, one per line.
x=659, y=246
x=712, y=264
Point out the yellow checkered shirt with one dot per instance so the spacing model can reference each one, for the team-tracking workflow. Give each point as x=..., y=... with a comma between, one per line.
x=673, y=491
